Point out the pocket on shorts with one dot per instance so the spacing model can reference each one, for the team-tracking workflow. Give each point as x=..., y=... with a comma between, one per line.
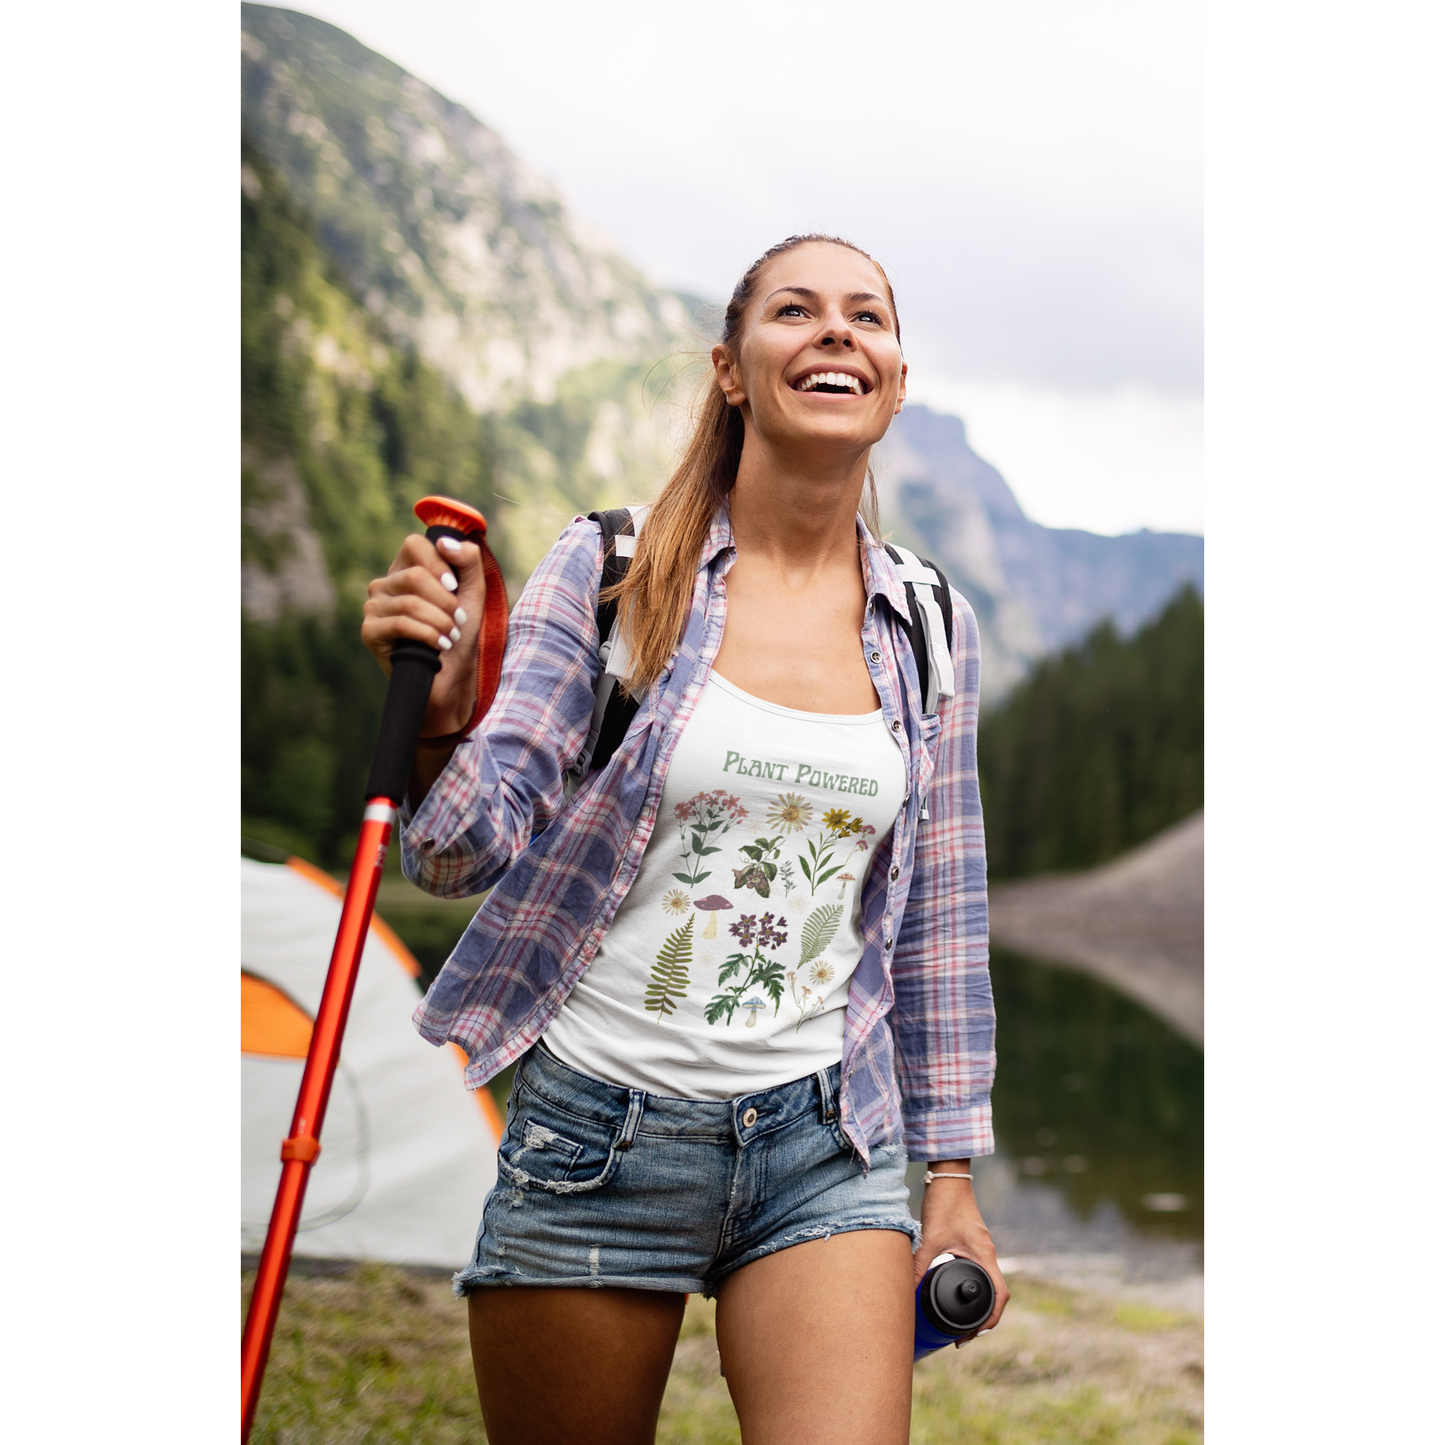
x=545, y=1148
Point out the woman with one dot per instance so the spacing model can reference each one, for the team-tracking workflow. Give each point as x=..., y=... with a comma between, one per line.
x=745, y=966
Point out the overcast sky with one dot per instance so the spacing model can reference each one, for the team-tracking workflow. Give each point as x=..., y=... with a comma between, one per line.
x=1030, y=173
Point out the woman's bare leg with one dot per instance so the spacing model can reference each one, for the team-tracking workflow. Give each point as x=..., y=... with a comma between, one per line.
x=817, y=1341
x=572, y=1366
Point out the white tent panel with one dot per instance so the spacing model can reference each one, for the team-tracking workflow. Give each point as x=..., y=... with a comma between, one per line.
x=407, y=1157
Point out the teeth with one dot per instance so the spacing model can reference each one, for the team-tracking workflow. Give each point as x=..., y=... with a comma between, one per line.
x=831, y=378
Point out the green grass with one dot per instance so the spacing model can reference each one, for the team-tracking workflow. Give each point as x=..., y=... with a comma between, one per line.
x=379, y=1355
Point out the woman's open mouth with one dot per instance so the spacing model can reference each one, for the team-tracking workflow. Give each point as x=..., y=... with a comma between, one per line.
x=832, y=383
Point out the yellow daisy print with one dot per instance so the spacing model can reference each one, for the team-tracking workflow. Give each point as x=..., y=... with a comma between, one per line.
x=838, y=820
x=790, y=812
x=675, y=901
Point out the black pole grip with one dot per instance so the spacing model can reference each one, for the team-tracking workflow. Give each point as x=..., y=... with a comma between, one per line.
x=413, y=666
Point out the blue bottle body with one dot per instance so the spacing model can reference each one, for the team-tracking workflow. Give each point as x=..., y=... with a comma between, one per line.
x=953, y=1299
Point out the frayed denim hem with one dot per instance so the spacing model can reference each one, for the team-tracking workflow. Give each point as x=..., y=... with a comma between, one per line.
x=912, y=1228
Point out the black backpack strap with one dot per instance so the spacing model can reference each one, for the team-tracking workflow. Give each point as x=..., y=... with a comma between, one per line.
x=612, y=710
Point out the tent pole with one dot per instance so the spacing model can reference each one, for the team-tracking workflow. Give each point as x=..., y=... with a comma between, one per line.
x=414, y=665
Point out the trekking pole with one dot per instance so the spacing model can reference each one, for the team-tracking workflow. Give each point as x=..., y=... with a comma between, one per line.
x=413, y=666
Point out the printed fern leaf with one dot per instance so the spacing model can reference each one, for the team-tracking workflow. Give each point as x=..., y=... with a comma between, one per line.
x=669, y=973
x=818, y=931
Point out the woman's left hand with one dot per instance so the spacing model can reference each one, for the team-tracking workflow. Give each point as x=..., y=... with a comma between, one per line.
x=953, y=1225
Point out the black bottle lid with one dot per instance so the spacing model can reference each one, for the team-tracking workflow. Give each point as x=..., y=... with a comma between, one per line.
x=957, y=1297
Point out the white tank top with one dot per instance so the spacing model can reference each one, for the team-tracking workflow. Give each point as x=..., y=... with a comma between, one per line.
x=726, y=967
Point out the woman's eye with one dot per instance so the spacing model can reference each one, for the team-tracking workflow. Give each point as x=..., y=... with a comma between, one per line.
x=872, y=316
x=792, y=307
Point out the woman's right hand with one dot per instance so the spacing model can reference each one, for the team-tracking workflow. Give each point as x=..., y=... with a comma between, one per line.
x=415, y=601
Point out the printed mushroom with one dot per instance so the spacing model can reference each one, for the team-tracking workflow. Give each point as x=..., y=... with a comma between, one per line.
x=712, y=905
x=845, y=880
x=754, y=1006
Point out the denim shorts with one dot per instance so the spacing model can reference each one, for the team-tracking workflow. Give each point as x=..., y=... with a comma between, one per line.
x=599, y=1185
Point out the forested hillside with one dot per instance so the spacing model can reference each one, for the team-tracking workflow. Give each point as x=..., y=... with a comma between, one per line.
x=1100, y=748
x=341, y=431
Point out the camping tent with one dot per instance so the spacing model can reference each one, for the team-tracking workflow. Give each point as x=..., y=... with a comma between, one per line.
x=407, y=1154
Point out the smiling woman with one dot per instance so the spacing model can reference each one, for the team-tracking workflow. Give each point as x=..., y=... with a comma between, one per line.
x=711, y=1104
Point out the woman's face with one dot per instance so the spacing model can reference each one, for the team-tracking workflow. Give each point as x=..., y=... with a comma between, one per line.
x=818, y=311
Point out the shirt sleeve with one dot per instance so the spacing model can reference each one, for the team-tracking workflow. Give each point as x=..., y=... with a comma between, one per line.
x=503, y=784
x=943, y=1017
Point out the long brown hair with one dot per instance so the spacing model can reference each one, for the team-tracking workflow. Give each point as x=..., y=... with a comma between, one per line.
x=654, y=597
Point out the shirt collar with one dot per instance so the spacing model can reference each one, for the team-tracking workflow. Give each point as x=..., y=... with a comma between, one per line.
x=880, y=573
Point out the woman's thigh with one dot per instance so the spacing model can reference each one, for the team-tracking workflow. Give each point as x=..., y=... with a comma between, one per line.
x=572, y=1366
x=816, y=1341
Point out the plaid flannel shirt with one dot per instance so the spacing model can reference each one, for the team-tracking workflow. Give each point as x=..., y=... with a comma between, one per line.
x=918, y=1036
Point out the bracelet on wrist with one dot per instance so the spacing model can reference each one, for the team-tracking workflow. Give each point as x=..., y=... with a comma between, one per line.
x=929, y=1176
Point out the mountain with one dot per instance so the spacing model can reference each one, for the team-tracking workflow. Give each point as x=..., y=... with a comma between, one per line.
x=472, y=262
x=1035, y=588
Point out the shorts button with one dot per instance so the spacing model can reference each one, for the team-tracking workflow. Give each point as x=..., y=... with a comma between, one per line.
x=750, y=1117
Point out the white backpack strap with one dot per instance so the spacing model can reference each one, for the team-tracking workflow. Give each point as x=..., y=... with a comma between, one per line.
x=941, y=680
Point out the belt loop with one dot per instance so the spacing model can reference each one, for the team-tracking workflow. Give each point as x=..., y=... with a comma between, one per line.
x=825, y=1096
x=635, y=1098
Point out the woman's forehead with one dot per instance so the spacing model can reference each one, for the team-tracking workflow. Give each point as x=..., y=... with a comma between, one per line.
x=823, y=266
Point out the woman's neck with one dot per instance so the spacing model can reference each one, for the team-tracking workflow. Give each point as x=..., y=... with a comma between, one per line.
x=797, y=516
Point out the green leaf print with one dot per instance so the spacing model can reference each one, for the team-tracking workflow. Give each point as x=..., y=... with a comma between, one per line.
x=818, y=930
x=669, y=973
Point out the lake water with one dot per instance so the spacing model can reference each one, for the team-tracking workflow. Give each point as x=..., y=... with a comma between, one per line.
x=1099, y=1123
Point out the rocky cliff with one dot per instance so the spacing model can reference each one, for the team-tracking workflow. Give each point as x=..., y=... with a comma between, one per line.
x=1035, y=588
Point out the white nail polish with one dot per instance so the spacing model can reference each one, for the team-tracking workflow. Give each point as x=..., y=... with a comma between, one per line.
x=449, y=544
x=456, y=634
x=449, y=582
x=445, y=643
x=460, y=617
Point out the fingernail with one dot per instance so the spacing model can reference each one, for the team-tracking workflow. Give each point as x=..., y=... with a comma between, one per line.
x=445, y=643
x=456, y=634
x=449, y=582
x=460, y=617
x=450, y=544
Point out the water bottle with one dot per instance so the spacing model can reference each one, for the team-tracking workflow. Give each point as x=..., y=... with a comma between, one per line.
x=954, y=1297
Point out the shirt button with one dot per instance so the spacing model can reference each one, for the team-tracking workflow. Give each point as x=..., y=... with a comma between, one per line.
x=875, y=656
x=894, y=875
x=887, y=943
x=897, y=726
x=750, y=1117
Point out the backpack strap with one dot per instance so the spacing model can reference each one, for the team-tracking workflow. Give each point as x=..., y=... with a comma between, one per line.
x=612, y=710
x=930, y=625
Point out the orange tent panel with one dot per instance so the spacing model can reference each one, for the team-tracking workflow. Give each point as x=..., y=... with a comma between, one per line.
x=271, y=1023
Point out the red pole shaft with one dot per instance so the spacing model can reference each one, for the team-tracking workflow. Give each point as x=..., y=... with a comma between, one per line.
x=300, y=1148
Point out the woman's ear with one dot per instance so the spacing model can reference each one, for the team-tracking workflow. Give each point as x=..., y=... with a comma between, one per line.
x=902, y=388
x=726, y=371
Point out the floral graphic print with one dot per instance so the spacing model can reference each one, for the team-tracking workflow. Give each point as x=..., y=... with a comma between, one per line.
x=758, y=870
x=675, y=901
x=699, y=820
x=818, y=865
x=669, y=974
x=791, y=812
x=755, y=969
x=808, y=982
